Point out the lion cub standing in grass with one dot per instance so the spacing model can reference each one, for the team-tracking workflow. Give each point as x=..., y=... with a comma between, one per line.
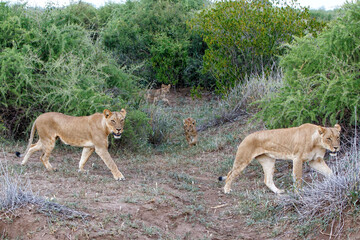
x=306, y=143
x=155, y=95
x=90, y=132
x=190, y=131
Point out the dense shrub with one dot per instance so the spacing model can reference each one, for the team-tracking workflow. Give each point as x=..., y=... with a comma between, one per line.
x=322, y=80
x=243, y=37
x=324, y=15
x=59, y=68
x=153, y=35
x=136, y=130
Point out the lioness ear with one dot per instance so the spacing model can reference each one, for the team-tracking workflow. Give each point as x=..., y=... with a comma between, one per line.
x=184, y=120
x=123, y=111
x=107, y=113
x=321, y=130
x=337, y=126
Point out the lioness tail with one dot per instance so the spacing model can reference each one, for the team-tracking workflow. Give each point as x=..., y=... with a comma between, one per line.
x=18, y=154
x=222, y=178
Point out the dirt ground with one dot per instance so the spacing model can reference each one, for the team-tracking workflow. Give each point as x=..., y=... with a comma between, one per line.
x=166, y=195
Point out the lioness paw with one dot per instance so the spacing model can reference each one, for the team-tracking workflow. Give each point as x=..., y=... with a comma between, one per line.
x=227, y=190
x=83, y=171
x=119, y=178
x=280, y=191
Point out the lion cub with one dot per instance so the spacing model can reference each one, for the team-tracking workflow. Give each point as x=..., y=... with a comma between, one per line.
x=155, y=95
x=90, y=132
x=190, y=131
x=306, y=143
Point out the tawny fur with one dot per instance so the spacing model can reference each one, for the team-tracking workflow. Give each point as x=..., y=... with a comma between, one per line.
x=190, y=131
x=156, y=95
x=306, y=143
x=90, y=132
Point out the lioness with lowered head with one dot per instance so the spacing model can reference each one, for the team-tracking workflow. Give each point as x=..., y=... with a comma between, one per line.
x=306, y=143
x=90, y=132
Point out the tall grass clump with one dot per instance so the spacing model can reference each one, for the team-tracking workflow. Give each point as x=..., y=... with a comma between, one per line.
x=15, y=192
x=241, y=99
x=321, y=77
x=328, y=201
x=162, y=124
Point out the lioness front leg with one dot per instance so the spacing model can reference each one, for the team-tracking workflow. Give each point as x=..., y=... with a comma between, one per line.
x=105, y=156
x=268, y=165
x=297, y=172
x=320, y=166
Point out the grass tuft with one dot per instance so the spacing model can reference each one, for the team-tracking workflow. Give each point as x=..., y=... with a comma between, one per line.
x=238, y=101
x=327, y=201
x=15, y=192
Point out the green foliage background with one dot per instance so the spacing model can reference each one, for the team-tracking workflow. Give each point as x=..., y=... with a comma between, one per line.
x=51, y=65
x=244, y=37
x=153, y=36
x=322, y=77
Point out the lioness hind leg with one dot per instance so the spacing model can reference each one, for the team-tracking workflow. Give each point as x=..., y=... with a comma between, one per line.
x=84, y=157
x=105, y=156
x=268, y=165
x=47, y=148
x=236, y=170
x=33, y=148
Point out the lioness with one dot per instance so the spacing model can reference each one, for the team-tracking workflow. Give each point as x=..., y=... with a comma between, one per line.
x=90, y=132
x=155, y=95
x=190, y=131
x=306, y=143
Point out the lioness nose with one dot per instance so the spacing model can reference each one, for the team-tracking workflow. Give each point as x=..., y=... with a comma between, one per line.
x=336, y=148
x=118, y=129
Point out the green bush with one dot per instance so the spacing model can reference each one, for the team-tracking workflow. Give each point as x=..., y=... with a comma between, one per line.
x=59, y=68
x=136, y=130
x=243, y=37
x=322, y=81
x=153, y=35
x=168, y=58
x=324, y=15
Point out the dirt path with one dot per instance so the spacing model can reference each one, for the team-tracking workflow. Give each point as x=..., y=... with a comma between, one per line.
x=159, y=199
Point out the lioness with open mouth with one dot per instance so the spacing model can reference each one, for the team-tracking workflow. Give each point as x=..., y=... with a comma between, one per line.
x=90, y=132
x=306, y=143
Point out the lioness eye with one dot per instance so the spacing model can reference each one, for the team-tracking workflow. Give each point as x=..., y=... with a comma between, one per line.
x=113, y=121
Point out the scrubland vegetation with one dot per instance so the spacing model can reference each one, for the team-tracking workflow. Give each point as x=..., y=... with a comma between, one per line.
x=248, y=64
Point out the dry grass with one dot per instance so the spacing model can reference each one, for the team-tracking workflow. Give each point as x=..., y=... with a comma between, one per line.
x=327, y=200
x=16, y=192
x=238, y=102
